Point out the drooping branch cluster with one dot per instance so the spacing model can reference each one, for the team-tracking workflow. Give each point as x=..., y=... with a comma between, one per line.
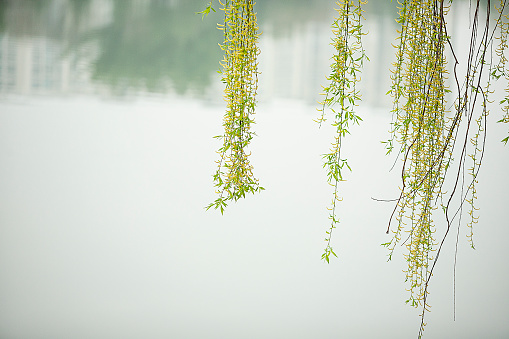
x=502, y=69
x=419, y=126
x=431, y=180
x=441, y=144
x=234, y=176
x=341, y=97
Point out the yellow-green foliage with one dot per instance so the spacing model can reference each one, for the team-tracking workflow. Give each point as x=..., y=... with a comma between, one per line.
x=501, y=69
x=341, y=97
x=428, y=138
x=426, y=134
x=420, y=127
x=234, y=176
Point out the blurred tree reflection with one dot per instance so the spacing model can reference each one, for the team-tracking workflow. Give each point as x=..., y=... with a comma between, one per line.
x=150, y=44
x=2, y=15
x=23, y=17
x=153, y=45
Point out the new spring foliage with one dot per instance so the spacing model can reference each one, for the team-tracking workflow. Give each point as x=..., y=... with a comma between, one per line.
x=234, y=176
x=501, y=70
x=420, y=128
x=341, y=97
x=441, y=152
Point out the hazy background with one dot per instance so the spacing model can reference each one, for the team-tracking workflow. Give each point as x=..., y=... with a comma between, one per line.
x=107, y=113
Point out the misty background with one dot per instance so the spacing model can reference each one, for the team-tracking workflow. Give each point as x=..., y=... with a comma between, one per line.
x=107, y=113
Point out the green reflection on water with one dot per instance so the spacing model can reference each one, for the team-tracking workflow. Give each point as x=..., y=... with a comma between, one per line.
x=152, y=45
x=160, y=43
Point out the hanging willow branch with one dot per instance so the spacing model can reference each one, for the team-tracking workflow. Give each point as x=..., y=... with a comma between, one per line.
x=428, y=138
x=234, y=176
x=441, y=150
x=501, y=70
x=341, y=97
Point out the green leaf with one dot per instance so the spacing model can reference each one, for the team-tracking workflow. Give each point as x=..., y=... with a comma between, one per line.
x=206, y=11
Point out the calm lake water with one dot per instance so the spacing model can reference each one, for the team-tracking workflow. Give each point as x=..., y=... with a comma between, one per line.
x=107, y=113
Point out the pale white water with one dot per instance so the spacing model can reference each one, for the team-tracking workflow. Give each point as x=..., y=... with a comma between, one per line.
x=103, y=232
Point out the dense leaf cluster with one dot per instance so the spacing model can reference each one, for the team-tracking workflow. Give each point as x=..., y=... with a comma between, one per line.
x=234, y=176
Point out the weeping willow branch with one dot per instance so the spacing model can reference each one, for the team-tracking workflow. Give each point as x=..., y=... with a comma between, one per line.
x=441, y=145
x=428, y=138
x=234, y=176
x=501, y=70
x=341, y=97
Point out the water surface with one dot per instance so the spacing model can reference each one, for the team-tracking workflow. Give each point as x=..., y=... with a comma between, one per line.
x=107, y=112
